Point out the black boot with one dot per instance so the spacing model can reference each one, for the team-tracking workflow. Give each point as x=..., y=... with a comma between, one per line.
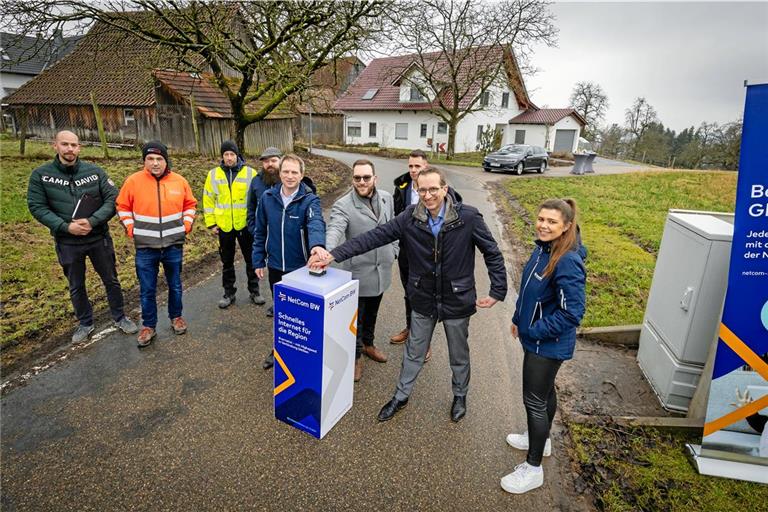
x=269, y=361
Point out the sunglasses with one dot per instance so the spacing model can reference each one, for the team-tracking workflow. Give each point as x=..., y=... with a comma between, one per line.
x=366, y=178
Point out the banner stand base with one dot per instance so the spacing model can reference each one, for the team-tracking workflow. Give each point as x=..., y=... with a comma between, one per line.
x=725, y=468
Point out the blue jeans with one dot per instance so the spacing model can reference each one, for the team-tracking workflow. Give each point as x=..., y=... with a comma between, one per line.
x=147, y=267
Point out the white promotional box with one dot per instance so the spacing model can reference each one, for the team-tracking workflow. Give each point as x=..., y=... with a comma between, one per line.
x=314, y=346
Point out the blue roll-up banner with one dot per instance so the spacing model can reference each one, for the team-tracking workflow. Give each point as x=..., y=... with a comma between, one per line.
x=735, y=442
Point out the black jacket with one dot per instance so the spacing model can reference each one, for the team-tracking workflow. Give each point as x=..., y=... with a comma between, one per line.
x=441, y=273
x=54, y=190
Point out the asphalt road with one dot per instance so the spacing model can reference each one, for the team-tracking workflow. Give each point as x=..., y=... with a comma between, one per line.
x=188, y=423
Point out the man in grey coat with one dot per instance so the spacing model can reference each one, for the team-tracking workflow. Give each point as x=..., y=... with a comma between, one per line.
x=361, y=209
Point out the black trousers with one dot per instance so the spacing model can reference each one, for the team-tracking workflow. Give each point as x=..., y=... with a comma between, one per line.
x=102, y=256
x=227, y=248
x=540, y=401
x=274, y=276
x=402, y=264
x=367, y=312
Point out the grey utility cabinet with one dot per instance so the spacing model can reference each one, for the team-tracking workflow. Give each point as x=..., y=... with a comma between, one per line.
x=685, y=302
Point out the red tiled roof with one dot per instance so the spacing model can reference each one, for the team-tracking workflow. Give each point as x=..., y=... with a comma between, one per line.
x=209, y=100
x=547, y=116
x=384, y=74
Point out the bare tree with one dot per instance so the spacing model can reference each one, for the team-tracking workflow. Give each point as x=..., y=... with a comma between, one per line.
x=461, y=48
x=259, y=53
x=589, y=100
x=639, y=117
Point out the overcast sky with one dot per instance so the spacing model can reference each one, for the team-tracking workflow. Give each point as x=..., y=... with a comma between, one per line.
x=688, y=59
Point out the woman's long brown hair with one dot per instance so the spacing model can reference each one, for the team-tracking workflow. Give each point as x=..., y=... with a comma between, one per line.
x=567, y=241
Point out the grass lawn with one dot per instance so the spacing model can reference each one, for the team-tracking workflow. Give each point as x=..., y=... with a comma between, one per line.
x=622, y=219
x=474, y=159
x=35, y=298
x=631, y=469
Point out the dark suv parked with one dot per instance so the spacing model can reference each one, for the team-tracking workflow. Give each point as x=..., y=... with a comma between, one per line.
x=517, y=158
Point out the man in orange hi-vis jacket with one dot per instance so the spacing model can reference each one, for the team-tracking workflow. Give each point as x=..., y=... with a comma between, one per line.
x=157, y=208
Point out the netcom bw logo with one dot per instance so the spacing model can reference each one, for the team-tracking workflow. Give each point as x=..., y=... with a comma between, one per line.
x=281, y=296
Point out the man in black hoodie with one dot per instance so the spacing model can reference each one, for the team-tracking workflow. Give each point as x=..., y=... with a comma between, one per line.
x=75, y=200
x=225, y=207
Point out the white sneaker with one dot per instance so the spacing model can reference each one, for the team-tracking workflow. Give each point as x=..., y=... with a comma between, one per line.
x=523, y=479
x=520, y=442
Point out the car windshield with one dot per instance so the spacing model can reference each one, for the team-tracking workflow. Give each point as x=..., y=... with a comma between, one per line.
x=512, y=149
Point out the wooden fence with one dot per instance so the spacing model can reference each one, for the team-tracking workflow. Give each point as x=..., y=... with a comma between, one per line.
x=171, y=124
x=326, y=129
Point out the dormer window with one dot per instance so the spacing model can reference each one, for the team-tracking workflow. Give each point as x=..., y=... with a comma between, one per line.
x=416, y=95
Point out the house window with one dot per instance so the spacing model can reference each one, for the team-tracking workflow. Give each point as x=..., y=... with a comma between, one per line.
x=480, y=130
x=442, y=128
x=128, y=116
x=416, y=95
x=354, y=129
x=505, y=100
x=485, y=99
x=519, y=136
x=369, y=94
x=371, y=129
x=401, y=131
x=423, y=131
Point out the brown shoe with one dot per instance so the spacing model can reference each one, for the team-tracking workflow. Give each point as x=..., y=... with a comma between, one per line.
x=375, y=354
x=358, y=369
x=429, y=355
x=145, y=337
x=400, y=337
x=178, y=325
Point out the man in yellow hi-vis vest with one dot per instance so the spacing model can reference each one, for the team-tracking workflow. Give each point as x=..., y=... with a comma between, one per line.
x=224, y=205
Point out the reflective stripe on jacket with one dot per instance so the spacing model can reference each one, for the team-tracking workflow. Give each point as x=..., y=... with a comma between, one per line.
x=225, y=204
x=157, y=213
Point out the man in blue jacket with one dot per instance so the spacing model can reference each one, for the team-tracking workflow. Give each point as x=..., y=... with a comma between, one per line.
x=441, y=236
x=289, y=226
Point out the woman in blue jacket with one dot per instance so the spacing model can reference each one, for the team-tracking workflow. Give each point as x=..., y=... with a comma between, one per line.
x=549, y=308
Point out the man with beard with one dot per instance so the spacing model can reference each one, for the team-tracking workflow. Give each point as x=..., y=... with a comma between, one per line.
x=224, y=204
x=270, y=162
x=75, y=200
x=360, y=210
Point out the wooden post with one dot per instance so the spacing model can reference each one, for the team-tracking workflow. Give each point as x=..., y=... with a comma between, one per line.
x=643, y=160
x=99, y=125
x=23, y=134
x=673, y=162
x=194, y=123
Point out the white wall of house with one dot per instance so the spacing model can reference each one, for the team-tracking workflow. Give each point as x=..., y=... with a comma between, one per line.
x=403, y=129
x=544, y=135
x=9, y=82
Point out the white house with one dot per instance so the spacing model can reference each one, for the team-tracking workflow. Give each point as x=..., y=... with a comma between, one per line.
x=385, y=106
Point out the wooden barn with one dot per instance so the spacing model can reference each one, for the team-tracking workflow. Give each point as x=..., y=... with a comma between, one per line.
x=139, y=97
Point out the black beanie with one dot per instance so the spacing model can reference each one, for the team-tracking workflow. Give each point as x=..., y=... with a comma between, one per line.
x=156, y=147
x=229, y=145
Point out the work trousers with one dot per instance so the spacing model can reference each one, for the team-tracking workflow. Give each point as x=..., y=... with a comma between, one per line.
x=367, y=312
x=422, y=328
x=540, y=399
x=147, y=268
x=102, y=255
x=228, y=241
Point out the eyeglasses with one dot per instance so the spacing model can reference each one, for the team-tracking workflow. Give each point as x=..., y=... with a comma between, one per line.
x=431, y=191
x=358, y=179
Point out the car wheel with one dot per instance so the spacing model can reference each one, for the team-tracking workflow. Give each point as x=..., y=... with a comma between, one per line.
x=519, y=169
x=487, y=169
x=543, y=167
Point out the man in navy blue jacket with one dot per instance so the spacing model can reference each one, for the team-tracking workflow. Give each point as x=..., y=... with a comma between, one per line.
x=288, y=228
x=441, y=236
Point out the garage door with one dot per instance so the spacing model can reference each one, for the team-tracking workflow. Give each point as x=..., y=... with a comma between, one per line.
x=564, y=141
